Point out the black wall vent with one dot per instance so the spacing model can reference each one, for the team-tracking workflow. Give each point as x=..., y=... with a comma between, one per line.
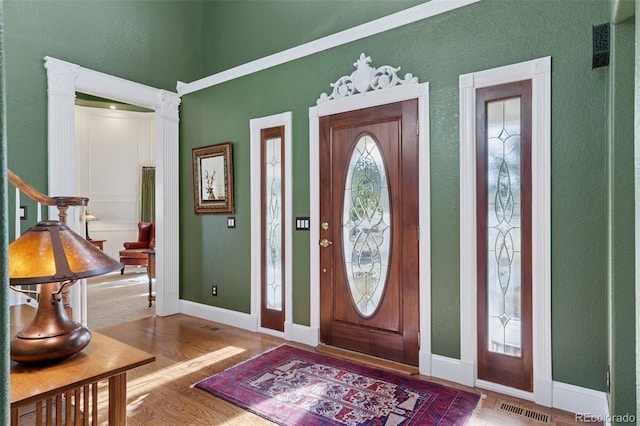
x=600, y=45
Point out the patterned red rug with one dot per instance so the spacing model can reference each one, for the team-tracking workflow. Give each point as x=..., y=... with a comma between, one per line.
x=291, y=386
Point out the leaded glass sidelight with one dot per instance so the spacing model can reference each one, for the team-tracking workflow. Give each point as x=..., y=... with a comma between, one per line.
x=504, y=270
x=273, y=223
x=366, y=220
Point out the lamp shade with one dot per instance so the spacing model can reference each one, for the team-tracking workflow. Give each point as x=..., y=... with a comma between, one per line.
x=51, y=252
x=89, y=217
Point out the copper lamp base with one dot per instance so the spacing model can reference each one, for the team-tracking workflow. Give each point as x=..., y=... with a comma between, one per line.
x=52, y=336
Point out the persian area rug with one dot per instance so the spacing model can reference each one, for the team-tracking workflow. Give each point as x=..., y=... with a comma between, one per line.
x=291, y=386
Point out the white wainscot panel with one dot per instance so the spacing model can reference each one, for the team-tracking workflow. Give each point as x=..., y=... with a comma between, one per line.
x=113, y=156
x=115, y=211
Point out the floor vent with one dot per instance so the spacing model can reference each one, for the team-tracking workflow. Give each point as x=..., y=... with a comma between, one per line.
x=210, y=328
x=510, y=408
x=534, y=415
x=537, y=416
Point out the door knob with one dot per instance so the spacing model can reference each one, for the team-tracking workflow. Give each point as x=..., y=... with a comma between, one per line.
x=325, y=243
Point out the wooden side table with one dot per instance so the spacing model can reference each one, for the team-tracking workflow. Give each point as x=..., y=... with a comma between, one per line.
x=98, y=243
x=151, y=272
x=69, y=389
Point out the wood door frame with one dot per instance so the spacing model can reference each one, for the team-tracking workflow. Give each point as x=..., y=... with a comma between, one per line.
x=354, y=102
x=539, y=72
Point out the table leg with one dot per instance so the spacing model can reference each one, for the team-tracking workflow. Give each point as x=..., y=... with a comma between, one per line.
x=118, y=399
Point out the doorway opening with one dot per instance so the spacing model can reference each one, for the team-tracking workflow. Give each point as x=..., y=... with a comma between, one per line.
x=64, y=80
x=115, y=157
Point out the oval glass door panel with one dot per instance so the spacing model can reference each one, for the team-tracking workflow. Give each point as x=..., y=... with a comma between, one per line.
x=366, y=220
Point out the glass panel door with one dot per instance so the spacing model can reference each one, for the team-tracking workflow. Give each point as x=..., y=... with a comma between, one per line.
x=503, y=196
x=272, y=196
x=504, y=270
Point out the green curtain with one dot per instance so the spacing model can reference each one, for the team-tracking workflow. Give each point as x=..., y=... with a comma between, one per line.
x=148, y=195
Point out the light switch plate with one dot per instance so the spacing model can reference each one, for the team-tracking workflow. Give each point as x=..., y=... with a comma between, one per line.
x=302, y=223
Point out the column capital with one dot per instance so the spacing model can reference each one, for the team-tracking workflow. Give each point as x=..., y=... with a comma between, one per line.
x=61, y=77
x=169, y=103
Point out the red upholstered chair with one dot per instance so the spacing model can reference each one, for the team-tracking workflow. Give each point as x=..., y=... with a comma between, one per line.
x=135, y=252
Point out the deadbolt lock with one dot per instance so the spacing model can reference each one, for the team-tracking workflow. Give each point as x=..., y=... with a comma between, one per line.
x=325, y=225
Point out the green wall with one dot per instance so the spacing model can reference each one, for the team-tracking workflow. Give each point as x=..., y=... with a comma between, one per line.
x=240, y=31
x=153, y=42
x=484, y=35
x=5, y=412
x=637, y=198
x=621, y=219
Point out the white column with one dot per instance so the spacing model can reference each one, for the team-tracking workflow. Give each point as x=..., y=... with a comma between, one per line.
x=468, y=279
x=61, y=80
x=61, y=83
x=167, y=202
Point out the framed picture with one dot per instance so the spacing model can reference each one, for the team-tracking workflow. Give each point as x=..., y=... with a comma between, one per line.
x=213, y=179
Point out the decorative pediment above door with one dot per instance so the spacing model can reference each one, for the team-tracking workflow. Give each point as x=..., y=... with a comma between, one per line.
x=366, y=78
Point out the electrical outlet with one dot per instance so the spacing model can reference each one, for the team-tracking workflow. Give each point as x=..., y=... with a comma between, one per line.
x=214, y=290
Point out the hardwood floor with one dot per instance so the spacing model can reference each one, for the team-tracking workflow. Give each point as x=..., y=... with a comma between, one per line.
x=189, y=349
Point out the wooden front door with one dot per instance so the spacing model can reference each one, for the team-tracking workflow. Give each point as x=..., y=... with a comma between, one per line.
x=369, y=283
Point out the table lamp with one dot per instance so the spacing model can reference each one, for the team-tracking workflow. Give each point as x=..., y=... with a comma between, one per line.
x=88, y=217
x=52, y=255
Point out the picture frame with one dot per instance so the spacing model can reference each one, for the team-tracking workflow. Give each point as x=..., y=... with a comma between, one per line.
x=213, y=178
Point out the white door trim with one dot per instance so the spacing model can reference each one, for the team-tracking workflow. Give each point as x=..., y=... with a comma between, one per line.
x=359, y=101
x=256, y=125
x=539, y=71
x=64, y=80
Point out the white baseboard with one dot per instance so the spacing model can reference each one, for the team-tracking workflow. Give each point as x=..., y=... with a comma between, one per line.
x=305, y=335
x=544, y=391
x=574, y=399
x=424, y=363
x=446, y=368
x=467, y=373
x=294, y=332
x=224, y=316
x=274, y=333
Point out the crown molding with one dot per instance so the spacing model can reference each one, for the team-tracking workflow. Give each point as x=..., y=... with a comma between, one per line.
x=380, y=25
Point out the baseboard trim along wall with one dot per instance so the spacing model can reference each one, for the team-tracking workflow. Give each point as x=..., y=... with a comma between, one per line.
x=223, y=316
x=293, y=332
x=574, y=399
